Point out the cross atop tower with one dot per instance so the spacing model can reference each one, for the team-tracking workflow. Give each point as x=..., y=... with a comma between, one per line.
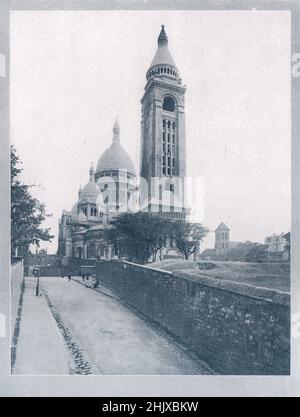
x=162, y=38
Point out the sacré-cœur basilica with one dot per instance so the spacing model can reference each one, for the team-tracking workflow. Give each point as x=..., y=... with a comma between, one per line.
x=113, y=187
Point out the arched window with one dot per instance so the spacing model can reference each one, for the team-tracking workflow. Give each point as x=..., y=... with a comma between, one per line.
x=169, y=104
x=169, y=166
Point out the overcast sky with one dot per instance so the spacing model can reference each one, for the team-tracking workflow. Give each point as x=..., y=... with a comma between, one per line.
x=72, y=72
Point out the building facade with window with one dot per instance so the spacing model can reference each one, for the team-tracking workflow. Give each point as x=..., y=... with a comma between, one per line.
x=163, y=140
x=276, y=243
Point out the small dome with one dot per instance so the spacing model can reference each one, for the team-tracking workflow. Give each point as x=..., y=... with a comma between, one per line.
x=115, y=157
x=90, y=191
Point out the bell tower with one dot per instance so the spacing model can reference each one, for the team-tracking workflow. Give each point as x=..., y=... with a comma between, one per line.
x=221, y=239
x=163, y=144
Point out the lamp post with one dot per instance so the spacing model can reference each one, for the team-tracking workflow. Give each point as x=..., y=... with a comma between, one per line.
x=37, y=289
x=37, y=284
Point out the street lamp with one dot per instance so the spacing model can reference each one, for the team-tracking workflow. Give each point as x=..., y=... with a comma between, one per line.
x=37, y=283
x=37, y=289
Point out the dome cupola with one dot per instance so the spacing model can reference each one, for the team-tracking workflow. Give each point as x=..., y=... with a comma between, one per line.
x=90, y=191
x=163, y=64
x=115, y=157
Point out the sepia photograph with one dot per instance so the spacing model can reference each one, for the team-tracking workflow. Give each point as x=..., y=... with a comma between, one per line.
x=150, y=193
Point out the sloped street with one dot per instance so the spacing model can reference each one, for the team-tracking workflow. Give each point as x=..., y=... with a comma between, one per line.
x=74, y=329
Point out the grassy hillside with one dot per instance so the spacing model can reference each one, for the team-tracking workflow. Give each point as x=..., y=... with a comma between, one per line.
x=268, y=275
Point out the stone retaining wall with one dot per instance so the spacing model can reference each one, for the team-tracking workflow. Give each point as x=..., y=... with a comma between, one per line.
x=236, y=328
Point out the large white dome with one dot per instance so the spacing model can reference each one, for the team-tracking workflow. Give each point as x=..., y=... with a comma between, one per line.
x=115, y=157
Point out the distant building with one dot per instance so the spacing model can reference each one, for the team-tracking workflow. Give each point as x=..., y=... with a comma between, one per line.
x=276, y=243
x=208, y=255
x=221, y=239
x=222, y=244
x=278, y=247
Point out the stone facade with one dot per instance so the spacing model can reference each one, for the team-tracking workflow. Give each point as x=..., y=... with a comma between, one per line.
x=163, y=142
x=221, y=239
x=276, y=243
x=111, y=189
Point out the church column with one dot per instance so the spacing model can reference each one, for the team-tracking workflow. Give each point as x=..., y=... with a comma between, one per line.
x=68, y=247
x=109, y=253
x=85, y=251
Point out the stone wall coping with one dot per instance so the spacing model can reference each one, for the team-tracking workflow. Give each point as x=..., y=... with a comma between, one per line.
x=248, y=290
x=148, y=267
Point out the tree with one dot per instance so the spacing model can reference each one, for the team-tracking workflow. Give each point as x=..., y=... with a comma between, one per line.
x=188, y=236
x=258, y=253
x=139, y=236
x=117, y=239
x=239, y=252
x=247, y=252
x=27, y=213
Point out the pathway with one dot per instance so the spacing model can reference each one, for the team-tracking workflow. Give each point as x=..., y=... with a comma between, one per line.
x=101, y=334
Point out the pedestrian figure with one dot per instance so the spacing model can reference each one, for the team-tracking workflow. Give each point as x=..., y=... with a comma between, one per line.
x=82, y=276
x=69, y=277
x=62, y=275
x=87, y=276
